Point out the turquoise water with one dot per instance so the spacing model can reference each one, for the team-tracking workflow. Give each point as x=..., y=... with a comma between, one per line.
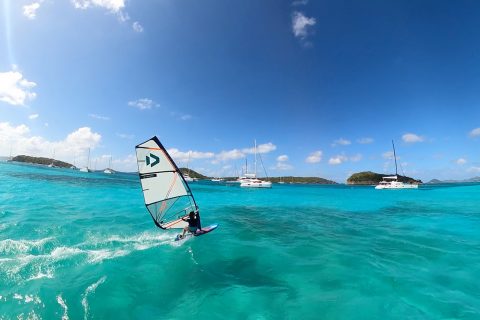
x=82, y=246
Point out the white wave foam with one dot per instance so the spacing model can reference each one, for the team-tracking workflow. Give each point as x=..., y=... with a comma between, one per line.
x=63, y=304
x=40, y=275
x=97, y=256
x=90, y=289
x=10, y=246
x=17, y=296
x=60, y=253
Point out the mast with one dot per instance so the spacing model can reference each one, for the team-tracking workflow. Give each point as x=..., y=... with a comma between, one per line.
x=255, y=172
x=395, y=156
x=88, y=158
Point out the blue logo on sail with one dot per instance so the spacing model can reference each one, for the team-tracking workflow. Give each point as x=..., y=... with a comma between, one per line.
x=153, y=157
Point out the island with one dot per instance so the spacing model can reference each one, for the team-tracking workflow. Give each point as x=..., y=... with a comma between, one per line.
x=41, y=160
x=373, y=178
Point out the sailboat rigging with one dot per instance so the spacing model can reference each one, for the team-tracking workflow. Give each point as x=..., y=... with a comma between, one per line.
x=392, y=182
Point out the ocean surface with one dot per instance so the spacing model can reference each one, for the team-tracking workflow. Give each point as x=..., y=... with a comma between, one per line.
x=83, y=246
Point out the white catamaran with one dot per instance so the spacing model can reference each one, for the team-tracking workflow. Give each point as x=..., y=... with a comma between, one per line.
x=391, y=182
x=167, y=195
x=250, y=180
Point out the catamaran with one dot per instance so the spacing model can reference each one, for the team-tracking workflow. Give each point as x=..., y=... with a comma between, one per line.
x=109, y=170
x=251, y=180
x=391, y=182
x=86, y=169
x=167, y=196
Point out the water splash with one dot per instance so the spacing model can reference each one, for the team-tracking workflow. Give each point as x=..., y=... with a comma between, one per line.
x=90, y=290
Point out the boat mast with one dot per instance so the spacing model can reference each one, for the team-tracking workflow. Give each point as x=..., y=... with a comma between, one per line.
x=88, y=158
x=395, y=156
x=255, y=172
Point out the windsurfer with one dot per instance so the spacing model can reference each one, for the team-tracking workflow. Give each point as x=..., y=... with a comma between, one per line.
x=193, y=223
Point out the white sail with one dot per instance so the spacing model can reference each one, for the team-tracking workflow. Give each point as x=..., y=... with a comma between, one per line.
x=167, y=196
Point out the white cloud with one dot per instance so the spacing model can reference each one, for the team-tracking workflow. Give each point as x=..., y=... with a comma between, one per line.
x=475, y=132
x=261, y=148
x=142, y=104
x=356, y=157
x=342, y=142
x=301, y=24
x=33, y=116
x=113, y=6
x=337, y=160
x=30, y=10
x=184, y=157
x=73, y=146
x=15, y=89
x=365, y=140
x=137, y=27
x=282, y=158
x=461, y=161
x=230, y=155
x=314, y=157
x=125, y=135
x=388, y=155
x=412, y=138
x=474, y=170
x=186, y=117
x=98, y=117
x=283, y=166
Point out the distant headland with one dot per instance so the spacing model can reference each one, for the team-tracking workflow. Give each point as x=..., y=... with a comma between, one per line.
x=372, y=178
x=43, y=161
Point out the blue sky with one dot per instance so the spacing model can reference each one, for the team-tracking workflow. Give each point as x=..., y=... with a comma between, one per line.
x=322, y=86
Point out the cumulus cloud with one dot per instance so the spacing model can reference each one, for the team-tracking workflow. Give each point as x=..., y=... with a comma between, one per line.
x=15, y=89
x=30, y=10
x=137, y=27
x=365, y=140
x=142, y=104
x=339, y=159
x=113, y=6
x=282, y=163
x=301, y=24
x=74, y=145
x=184, y=157
x=341, y=142
x=98, y=117
x=412, y=138
x=461, y=161
x=33, y=116
x=235, y=154
x=475, y=132
x=261, y=148
x=314, y=157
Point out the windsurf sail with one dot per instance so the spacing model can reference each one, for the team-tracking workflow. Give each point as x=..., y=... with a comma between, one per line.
x=167, y=195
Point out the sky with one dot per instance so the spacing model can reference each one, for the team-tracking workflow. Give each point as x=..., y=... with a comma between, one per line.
x=322, y=86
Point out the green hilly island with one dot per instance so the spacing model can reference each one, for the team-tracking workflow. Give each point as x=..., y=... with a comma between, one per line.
x=371, y=178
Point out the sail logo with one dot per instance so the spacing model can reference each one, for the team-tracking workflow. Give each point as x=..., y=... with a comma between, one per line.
x=148, y=160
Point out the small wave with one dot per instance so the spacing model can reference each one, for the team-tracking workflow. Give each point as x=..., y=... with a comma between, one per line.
x=9, y=246
x=90, y=289
x=97, y=256
x=48, y=274
x=63, y=304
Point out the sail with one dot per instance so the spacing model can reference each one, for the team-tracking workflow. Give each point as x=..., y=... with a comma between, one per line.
x=167, y=196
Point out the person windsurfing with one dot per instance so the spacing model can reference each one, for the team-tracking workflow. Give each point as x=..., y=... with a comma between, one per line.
x=193, y=223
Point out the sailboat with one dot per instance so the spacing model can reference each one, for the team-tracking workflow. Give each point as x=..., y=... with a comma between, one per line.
x=109, y=170
x=167, y=195
x=86, y=169
x=52, y=165
x=187, y=175
x=391, y=182
x=251, y=180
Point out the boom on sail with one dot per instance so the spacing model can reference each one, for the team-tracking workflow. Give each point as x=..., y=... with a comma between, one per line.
x=167, y=195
